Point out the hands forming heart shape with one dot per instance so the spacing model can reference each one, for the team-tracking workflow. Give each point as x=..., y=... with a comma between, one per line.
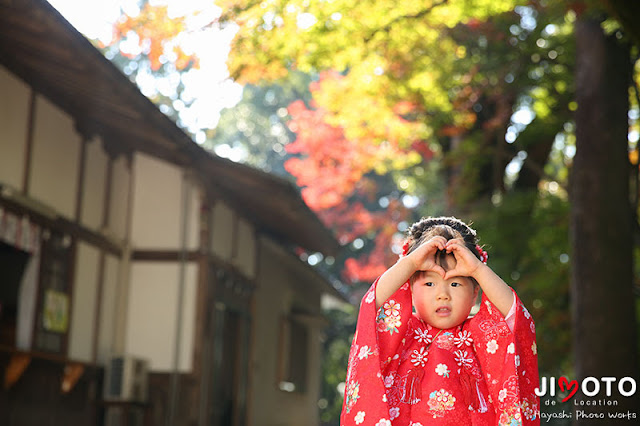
x=428, y=257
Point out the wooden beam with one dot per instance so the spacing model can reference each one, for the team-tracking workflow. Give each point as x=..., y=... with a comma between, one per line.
x=18, y=363
x=72, y=373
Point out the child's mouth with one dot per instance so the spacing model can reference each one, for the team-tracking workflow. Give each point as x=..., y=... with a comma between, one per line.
x=443, y=311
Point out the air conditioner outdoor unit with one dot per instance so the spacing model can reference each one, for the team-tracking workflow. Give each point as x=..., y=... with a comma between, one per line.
x=127, y=379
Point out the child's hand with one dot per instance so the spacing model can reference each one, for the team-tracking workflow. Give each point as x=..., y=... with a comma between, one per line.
x=466, y=262
x=424, y=257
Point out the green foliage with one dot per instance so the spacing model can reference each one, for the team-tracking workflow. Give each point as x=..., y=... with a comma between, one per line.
x=337, y=344
x=527, y=237
x=257, y=126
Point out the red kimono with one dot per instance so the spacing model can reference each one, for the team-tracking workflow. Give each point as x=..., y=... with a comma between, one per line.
x=405, y=372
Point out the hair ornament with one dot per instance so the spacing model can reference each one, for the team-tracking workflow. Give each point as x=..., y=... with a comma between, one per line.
x=405, y=248
x=484, y=256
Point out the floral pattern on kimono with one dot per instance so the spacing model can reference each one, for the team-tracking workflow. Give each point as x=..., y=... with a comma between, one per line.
x=402, y=371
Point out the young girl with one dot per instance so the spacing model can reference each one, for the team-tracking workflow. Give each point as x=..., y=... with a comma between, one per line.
x=437, y=366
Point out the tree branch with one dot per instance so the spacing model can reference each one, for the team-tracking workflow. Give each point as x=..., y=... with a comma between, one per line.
x=418, y=15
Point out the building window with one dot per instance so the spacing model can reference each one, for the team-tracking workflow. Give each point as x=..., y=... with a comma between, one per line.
x=54, y=305
x=294, y=355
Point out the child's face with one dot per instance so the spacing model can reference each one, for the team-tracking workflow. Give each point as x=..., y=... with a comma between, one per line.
x=443, y=303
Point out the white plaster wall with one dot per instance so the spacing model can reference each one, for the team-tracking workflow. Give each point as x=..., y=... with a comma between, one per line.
x=246, y=258
x=120, y=189
x=94, y=185
x=278, y=289
x=55, y=160
x=108, y=311
x=14, y=110
x=157, y=205
x=85, y=290
x=152, y=314
x=221, y=230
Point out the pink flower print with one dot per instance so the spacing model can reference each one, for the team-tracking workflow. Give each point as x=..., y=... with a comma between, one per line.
x=383, y=422
x=422, y=336
x=392, y=308
x=511, y=349
x=492, y=346
x=463, y=358
x=532, y=326
x=440, y=402
x=394, y=412
x=353, y=393
x=360, y=417
x=518, y=415
x=392, y=323
x=364, y=352
x=442, y=370
x=419, y=358
x=463, y=338
x=388, y=381
x=502, y=395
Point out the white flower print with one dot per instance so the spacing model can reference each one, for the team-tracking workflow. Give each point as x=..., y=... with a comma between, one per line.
x=532, y=326
x=442, y=370
x=415, y=424
x=488, y=306
x=463, y=358
x=359, y=417
x=383, y=422
x=517, y=360
x=422, y=336
x=419, y=358
x=502, y=395
x=492, y=346
x=384, y=397
x=364, y=352
x=394, y=412
x=511, y=349
x=534, y=348
x=463, y=338
x=370, y=297
x=525, y=312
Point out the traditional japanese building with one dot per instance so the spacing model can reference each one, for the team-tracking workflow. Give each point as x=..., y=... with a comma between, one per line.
x=142, y=279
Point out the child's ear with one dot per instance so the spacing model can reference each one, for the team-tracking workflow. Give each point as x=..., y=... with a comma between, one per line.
x=476, y=290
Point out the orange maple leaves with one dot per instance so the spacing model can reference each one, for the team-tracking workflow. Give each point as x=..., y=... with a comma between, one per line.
x=157, y=37
x=336, y=176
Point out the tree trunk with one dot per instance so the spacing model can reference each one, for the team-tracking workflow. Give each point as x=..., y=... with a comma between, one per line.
x=604, y=323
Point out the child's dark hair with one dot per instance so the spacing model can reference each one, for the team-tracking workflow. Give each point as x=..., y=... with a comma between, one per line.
x=447, y=227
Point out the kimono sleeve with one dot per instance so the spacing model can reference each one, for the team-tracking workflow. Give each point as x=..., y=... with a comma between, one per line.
x=508, y=360
x=377, y=339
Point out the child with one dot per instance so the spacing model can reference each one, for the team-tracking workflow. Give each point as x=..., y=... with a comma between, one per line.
x=437, y=366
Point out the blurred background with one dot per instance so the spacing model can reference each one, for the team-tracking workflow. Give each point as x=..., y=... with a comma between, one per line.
x=305, y=136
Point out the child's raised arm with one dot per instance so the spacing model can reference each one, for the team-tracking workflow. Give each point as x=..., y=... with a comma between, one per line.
x=421, y=259
x=467, y=264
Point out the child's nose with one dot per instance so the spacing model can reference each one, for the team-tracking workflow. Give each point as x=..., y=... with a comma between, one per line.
x=443, y=294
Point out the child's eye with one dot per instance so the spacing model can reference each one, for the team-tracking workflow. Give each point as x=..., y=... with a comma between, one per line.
x=429, y=284
x=455, y=284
